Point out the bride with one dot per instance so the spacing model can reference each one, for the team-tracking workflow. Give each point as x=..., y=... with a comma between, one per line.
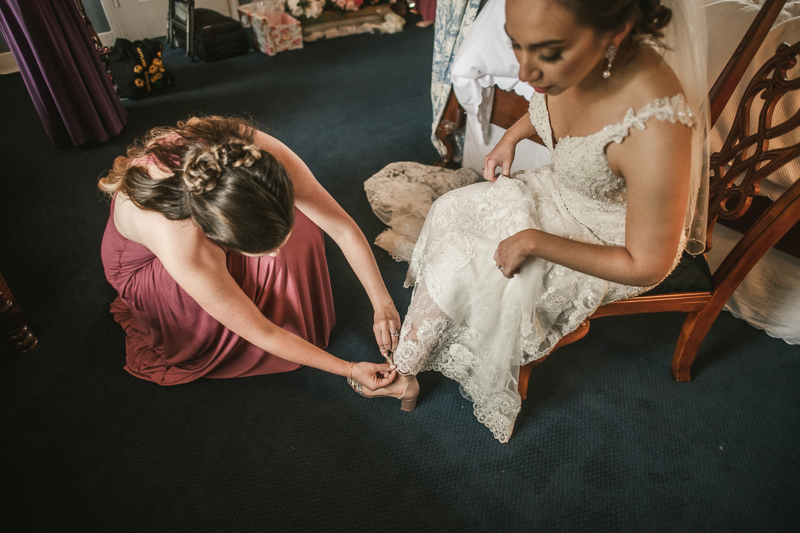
x=504, y=268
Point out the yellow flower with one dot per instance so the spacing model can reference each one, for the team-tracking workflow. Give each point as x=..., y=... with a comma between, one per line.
x=153, y=69
x=139, y=82
x=137, y=69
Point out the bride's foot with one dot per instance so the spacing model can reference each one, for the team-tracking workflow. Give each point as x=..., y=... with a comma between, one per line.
x=404, y=388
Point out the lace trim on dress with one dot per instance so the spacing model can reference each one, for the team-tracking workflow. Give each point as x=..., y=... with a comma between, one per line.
x=401, y=195
x=540, y=119
x=431, y=341
x=672, y=109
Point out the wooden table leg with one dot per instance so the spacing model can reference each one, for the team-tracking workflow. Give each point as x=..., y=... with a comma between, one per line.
x=13, y=321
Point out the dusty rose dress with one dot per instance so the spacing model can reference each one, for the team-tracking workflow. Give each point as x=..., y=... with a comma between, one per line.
x=427, y=9
x=170, y=339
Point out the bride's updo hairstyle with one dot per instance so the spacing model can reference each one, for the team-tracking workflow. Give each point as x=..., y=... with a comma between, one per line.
x=603, y=16
x=239, y=195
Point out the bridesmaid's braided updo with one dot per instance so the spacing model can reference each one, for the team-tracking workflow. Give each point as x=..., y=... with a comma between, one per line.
x=202, y=171
x=239, y=195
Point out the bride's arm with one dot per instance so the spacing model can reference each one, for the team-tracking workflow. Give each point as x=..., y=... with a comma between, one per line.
x=502, y=155
x=316, y=203
x=655, y=164
x=200, y=268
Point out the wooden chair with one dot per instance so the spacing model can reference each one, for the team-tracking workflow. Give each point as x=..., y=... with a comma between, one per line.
x=15, y=324
x=745, y=153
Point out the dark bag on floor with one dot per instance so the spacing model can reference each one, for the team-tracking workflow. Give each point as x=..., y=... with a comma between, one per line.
x=217, y=36
x=138, y=69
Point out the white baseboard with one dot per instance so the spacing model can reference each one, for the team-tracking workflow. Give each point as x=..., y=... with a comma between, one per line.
x=9, y=66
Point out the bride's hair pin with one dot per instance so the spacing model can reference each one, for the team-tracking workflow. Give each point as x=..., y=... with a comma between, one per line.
x=610, y=54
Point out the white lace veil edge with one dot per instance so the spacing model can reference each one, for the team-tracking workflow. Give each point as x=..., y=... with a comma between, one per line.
x=686, y=37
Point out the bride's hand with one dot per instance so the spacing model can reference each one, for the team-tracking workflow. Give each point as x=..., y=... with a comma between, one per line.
x=512, y=252
x=502, y=156
x=374, y=376
x=386, y=326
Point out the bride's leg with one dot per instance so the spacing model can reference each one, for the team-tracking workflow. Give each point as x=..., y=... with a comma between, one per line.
x=421, y=334
x=424, y=330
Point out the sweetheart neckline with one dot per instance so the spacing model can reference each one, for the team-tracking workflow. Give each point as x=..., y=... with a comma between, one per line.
x=630, y=112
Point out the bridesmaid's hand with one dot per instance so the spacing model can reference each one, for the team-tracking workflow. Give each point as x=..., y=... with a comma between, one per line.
x=374, y=376
x=386, y=327
x=512, y=252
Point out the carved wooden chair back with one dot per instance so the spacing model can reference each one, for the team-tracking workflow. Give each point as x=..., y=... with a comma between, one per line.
x=752, y=150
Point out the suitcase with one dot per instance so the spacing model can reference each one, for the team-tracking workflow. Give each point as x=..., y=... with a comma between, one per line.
x=217, y=36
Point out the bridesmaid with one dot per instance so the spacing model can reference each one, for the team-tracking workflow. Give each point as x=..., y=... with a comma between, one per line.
x=215, y=249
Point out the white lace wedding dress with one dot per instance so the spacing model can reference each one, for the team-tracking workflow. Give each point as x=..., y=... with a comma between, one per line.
x=466, y=320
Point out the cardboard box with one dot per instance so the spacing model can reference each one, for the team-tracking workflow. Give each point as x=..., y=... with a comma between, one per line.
x=273, y=31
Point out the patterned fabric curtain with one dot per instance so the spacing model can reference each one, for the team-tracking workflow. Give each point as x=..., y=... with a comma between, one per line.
x=454, y=19
x=64, y=75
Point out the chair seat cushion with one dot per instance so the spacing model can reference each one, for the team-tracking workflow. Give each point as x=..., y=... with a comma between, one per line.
x=691, y=275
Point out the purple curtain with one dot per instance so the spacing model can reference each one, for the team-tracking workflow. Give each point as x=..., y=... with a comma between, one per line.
x=63, y=72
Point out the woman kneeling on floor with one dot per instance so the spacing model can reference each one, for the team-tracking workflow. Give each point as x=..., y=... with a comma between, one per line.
x=215, y=249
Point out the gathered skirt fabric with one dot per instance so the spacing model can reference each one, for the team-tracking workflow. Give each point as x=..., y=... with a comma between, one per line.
x=170, y=339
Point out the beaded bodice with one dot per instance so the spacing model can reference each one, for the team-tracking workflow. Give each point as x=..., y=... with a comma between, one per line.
x=594, y=195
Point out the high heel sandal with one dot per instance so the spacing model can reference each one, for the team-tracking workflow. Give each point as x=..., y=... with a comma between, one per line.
x=408, y=398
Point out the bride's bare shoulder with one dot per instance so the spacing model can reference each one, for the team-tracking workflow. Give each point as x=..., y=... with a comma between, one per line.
x=653, y=78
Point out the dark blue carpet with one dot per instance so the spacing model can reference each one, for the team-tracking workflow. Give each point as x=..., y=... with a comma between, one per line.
x=605, y=442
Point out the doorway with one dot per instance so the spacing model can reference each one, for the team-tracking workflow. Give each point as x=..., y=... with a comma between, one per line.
x=140, y=19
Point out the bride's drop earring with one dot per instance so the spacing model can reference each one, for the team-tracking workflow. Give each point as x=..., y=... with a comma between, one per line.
x=610, y=54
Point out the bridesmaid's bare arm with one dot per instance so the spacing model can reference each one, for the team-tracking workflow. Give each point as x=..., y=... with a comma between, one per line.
x=200, y=268
x=316, y=203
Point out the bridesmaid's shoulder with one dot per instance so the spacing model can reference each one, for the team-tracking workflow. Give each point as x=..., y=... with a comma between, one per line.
x=148, y=227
